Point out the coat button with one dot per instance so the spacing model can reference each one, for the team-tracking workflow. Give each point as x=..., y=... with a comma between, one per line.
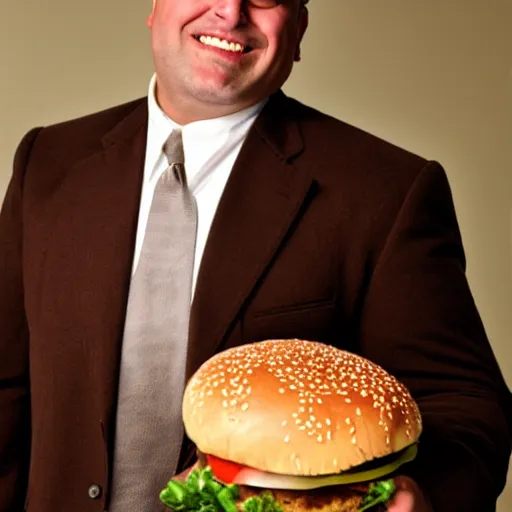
x=94, y=492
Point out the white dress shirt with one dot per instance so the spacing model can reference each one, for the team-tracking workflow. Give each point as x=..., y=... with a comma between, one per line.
x=211, y=147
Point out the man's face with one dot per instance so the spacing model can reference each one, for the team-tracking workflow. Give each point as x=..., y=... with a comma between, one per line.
x=214, y=57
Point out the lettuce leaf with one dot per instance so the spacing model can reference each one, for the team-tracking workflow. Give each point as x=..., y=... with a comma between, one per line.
x=202, y=493
x=378, y=492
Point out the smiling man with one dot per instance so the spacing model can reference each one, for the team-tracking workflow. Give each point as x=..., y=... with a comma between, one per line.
x=137, y=242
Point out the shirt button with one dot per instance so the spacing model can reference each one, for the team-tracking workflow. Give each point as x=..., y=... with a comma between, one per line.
x=94, y=492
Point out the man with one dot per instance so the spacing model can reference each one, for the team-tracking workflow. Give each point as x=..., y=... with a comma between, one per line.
x=306, y=227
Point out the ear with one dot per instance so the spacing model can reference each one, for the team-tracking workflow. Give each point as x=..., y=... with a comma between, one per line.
x=149, y=21
x=302, y=26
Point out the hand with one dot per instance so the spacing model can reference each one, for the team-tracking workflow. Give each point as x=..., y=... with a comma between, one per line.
x=184, y=474
x=408, y=497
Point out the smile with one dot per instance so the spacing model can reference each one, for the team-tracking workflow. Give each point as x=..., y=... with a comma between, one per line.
x=223, y=44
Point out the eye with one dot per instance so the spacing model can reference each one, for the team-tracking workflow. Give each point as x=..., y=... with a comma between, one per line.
x=265, y=4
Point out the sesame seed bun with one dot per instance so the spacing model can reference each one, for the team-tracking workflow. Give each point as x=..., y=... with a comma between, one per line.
x=297, y=407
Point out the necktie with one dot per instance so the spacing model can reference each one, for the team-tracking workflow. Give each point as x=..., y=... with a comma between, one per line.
x=149, y=427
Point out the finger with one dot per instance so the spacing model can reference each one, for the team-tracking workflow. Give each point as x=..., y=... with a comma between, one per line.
x=403, y=501
x=184, y=474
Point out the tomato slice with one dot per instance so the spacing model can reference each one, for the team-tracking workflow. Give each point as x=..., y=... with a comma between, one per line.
x=233, y=473
x=224, y=470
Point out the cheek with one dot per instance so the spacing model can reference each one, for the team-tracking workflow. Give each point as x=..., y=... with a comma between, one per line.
x=281, y=35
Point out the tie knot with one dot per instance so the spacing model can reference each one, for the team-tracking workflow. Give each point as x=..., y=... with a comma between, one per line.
x=173, y=148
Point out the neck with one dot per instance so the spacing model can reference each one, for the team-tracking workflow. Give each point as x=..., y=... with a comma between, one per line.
x=187, y=111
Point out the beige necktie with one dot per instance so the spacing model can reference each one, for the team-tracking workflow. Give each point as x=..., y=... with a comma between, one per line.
x=149, y=429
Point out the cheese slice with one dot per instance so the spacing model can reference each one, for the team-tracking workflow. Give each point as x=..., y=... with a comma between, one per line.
x=262, y=479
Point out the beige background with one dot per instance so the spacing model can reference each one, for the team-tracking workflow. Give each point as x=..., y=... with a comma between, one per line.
x=434, y=76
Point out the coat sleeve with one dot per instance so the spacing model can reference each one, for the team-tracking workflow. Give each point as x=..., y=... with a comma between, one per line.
x=419, y=321
x=14, y=343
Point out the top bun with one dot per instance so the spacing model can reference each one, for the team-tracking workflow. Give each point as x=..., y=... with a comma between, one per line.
x=297, y=407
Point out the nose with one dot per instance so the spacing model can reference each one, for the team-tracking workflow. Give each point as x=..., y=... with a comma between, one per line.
x=231, y=12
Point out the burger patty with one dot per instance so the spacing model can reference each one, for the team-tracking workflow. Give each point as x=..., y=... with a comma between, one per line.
x=327, y=499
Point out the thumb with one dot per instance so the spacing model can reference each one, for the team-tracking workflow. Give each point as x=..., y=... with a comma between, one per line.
x=403, y=501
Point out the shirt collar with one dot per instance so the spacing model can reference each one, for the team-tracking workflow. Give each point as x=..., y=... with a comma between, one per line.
x=209, y=134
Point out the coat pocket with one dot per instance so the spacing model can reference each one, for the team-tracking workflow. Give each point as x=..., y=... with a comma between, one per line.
x=314, y=321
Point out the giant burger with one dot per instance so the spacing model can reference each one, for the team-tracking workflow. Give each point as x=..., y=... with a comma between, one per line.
x=292, y=426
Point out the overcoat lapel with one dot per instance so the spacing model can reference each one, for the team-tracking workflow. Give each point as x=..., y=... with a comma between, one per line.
x=263, y=196
x=102, y=226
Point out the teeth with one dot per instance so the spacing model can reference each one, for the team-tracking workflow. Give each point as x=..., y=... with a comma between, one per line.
x=222, y=44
